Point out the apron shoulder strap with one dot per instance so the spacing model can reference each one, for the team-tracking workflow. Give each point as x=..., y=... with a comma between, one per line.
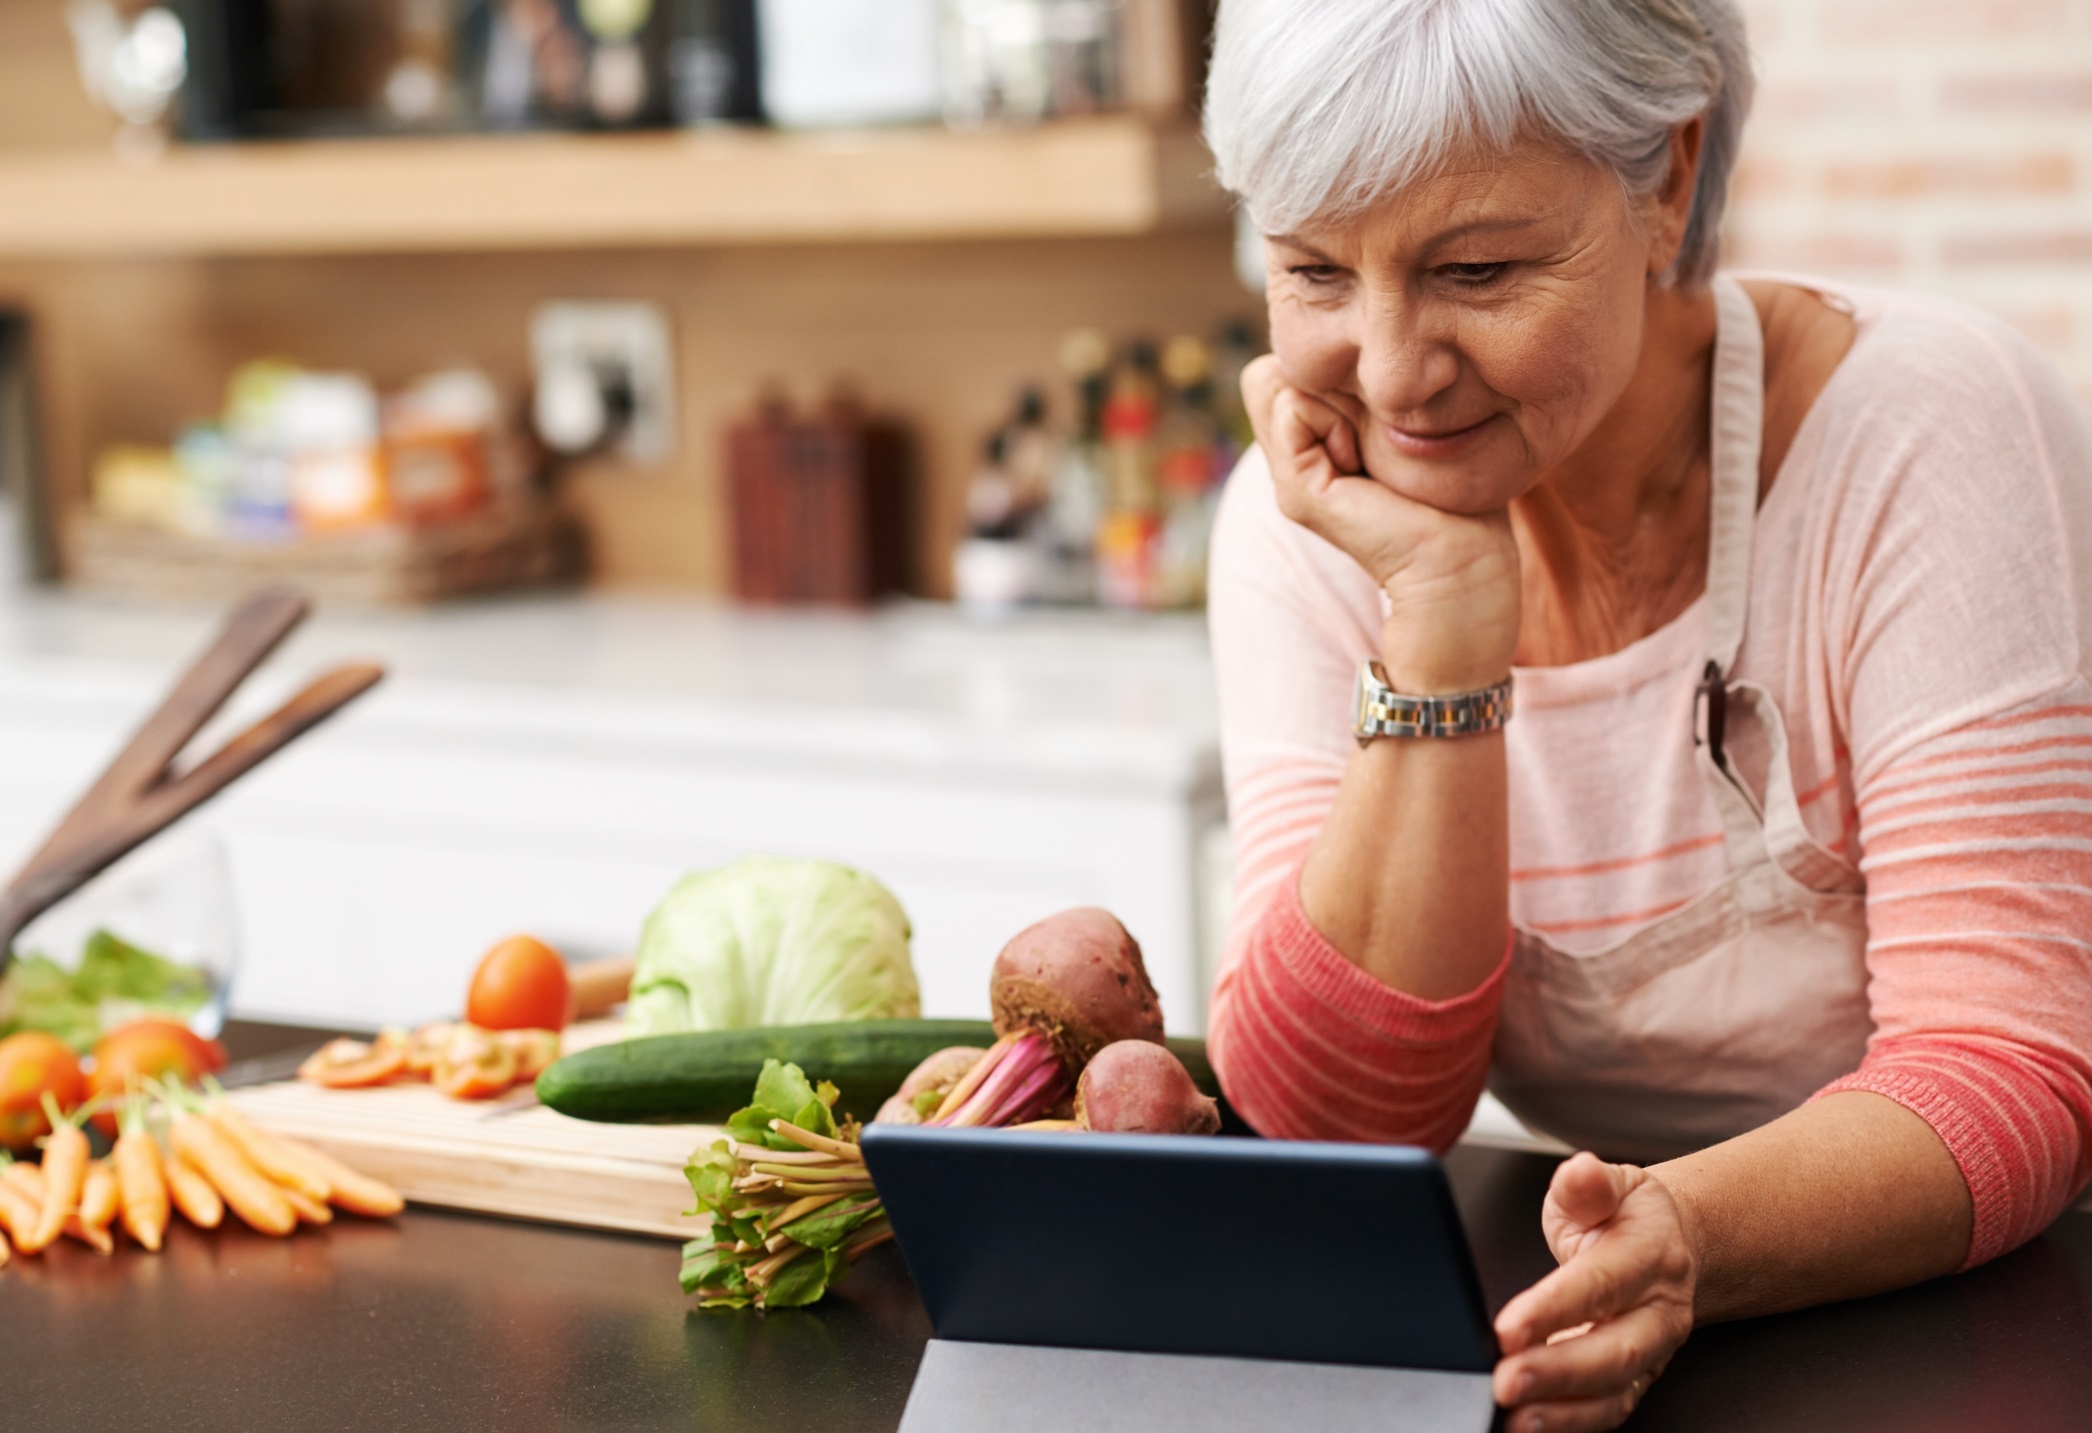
x=1738, y=424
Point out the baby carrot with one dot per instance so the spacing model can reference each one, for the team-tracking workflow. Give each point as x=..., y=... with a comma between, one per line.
x=98, y=1199
x=26, y=1180
x=310, y=1210
x=247, y=1192
x=5, y=1252
x=267, y=1153
x=193, y=1195
x=357, y=1193
x=64, y=1170
x=17, y=1213
x=98, y=1240
x=140, y=1181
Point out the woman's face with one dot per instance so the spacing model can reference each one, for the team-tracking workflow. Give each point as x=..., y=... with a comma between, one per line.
x=1475, y=326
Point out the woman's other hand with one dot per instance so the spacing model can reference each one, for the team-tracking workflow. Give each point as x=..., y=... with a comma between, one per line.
x=1582, y=1346
x=1451, y=579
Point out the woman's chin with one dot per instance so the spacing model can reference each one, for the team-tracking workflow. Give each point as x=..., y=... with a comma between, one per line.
x=1455, y=490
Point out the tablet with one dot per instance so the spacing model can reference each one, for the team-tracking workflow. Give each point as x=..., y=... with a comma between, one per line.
x=1233, y=1248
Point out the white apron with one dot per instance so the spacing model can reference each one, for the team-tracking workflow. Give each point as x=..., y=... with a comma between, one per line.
x=1735, y=1009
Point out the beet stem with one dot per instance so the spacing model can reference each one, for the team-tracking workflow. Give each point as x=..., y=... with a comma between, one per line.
x=1019, y=1072
x=1038, y=1094
x=973, y=1079
x=1025, y=1055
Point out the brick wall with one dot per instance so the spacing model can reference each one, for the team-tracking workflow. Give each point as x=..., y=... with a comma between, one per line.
x=1943, y=145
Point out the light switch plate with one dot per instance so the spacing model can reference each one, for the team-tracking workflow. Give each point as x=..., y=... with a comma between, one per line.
x=618, y=342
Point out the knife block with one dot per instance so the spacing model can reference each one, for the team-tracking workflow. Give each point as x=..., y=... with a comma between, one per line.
x=823, y=506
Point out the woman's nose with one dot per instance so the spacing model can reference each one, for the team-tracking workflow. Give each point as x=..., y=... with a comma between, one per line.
x=1402, y=366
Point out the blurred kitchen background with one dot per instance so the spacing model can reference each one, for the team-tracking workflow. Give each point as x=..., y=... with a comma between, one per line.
x=744, y=425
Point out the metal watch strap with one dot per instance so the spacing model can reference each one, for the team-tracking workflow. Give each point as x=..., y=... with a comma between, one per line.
x=1383, y=711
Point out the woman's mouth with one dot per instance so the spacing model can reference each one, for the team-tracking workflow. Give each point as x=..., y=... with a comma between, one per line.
x=1433, y=443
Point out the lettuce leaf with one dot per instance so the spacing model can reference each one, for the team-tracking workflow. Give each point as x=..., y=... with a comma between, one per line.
x=116, y=981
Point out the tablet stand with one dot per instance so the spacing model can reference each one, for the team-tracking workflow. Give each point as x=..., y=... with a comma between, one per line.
x=1024, y=1388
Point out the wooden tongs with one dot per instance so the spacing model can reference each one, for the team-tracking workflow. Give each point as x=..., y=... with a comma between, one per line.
x=140, y=794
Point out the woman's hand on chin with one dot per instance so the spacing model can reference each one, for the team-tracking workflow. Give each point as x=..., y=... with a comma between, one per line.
x=1451, y=579
x=1582, y=1346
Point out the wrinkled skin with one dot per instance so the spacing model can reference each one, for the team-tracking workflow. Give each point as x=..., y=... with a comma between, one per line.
x=1134, y=1087
x=1077, y=978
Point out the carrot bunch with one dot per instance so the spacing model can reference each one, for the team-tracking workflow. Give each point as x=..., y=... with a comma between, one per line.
x=213, y=1159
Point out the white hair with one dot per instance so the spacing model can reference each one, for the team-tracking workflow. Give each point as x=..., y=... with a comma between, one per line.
x=1317, y=109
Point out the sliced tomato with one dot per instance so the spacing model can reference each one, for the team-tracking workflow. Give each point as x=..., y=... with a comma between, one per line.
x=425, y=1045
x=474, y=1064
x=535, y=1049
x=355, y=1064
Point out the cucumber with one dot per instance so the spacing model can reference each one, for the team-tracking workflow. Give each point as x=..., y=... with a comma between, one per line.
x=703, y=1078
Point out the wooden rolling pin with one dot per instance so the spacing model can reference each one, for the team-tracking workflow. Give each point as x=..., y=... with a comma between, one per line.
x=599, y=985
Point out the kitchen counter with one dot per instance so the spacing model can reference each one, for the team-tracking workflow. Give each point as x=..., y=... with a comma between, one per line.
x=450, y=1322
x=554, y=764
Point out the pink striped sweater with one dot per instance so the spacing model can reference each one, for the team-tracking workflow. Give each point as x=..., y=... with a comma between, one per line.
x=1921, y=602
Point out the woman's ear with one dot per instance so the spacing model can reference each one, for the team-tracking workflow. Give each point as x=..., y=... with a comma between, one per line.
x=1672, y=202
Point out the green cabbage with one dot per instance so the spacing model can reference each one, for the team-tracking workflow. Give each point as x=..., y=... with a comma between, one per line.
x=772, y=940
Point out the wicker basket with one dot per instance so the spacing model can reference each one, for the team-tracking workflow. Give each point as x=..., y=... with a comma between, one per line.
x=515, y=548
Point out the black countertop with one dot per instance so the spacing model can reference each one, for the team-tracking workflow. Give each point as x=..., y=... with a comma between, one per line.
x=451, y=1321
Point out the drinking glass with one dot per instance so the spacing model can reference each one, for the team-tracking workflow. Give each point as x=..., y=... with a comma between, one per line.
x=169, y=907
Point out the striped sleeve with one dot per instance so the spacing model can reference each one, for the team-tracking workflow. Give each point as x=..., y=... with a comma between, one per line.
x=1308, y=1046
x=1978, y=860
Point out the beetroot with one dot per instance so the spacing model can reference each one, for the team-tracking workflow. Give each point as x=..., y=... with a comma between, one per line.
x=928, y=1084
x=1063, y=989
x=1077, y=978
x=1136, y=1087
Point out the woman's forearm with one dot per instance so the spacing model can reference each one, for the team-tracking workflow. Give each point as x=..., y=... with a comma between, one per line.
x=1410, y=875
x=1849, y=1195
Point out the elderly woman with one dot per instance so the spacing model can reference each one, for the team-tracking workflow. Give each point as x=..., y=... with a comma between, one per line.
x=1778, y=885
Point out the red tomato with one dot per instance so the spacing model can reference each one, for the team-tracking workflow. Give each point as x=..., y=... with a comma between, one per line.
x=521, y=984
x=32, y=1063
x=150, y=1049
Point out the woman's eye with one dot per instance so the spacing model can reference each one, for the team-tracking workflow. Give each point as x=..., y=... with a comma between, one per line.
x=1315, y=273
x=1473, y=275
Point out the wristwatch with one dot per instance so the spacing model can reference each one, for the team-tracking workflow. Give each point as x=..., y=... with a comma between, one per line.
x=1383, y=711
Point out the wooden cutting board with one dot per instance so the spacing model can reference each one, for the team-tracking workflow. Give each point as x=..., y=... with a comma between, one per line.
x=508, y=1156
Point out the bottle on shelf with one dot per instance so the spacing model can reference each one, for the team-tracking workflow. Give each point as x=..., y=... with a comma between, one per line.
x=713, y=65
x=1127, y=542
x=627, y=68
x=1081, y=492
x=1191, y=451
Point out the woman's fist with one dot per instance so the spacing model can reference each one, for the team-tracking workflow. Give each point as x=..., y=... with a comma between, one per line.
x=1451, y=580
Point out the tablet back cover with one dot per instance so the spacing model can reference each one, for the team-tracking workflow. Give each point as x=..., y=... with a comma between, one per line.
x=1343, y=1254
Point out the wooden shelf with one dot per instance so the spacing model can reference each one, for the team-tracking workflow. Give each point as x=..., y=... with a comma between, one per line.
x=1109, y=176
